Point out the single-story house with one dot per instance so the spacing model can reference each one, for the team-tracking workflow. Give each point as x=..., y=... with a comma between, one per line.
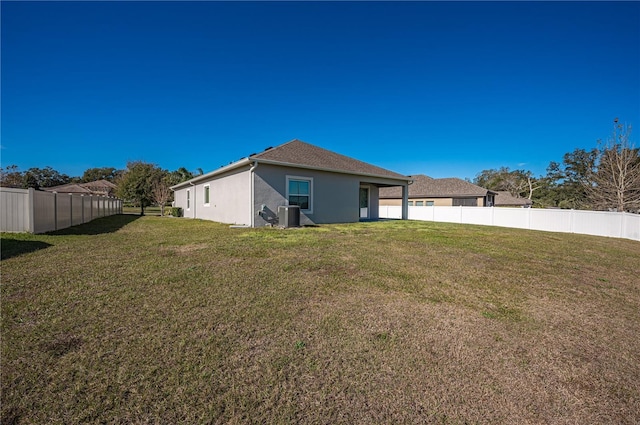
x=506, y=199
x=98, y=188
x=427, y=191
x=327, y=187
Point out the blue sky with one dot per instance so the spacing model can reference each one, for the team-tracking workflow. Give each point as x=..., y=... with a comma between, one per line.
x=445, y=89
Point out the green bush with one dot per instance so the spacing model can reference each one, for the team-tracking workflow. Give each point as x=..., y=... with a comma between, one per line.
x=176, y=211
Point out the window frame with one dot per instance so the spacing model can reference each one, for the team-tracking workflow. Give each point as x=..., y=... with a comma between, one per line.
x=464, y=202
x=310, y=195
x=206, y=194
x=188, y=200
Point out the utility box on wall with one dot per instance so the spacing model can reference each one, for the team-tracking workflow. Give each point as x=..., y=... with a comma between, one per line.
x=289, y=215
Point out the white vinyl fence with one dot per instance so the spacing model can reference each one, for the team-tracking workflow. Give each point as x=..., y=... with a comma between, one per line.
x=598, y=223
x=35, y=211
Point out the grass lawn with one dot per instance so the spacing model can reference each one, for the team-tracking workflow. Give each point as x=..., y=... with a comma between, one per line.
x=133, y=319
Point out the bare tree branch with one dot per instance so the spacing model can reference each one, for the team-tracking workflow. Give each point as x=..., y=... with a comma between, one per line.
x=161, y=193
x=615, y=182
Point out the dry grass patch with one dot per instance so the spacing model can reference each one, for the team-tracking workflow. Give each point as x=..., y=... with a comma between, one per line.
x=160, y=320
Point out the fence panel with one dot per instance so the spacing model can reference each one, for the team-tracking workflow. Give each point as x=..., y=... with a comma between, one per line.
x=86, y=209
x=29, y=210
x=597, y=223
x=76, y=209
x=63, y=211
x=483, y=216
x=549, y=220
x=446, y=214
x=631, y=226
x=44, y=211
x=15, y=215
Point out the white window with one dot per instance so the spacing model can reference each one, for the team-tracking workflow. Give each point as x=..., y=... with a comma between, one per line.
x=300, y=192
x=207, y=191
x=188, y=199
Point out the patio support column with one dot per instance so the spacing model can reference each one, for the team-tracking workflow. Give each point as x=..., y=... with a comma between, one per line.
x=405, y=201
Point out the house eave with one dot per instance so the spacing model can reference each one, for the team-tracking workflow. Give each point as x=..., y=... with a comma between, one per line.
x=207, y=176
x=331, y=170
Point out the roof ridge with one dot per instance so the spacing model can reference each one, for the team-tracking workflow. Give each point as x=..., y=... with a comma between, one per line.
x=271, y=149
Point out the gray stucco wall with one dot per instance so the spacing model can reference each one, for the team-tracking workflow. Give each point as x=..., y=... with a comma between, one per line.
x=229, y=196
x=335, y=196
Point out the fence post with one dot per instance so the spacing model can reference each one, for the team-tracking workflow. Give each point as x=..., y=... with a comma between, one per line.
x=622, y=226
x=571, y=221
x=31, y=228
x=55, y=210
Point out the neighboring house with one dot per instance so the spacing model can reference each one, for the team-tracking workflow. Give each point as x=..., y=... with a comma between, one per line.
x=98, y=188
x=506, y=199
x=427, y=191
x=328, y=188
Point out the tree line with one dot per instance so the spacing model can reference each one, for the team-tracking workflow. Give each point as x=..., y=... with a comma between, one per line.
x=141, y=184
x=606, y=177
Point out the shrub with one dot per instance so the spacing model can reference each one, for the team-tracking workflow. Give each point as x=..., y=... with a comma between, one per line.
x=176, y=211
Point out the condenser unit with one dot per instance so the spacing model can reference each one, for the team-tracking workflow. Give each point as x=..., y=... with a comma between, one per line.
x=289, y=215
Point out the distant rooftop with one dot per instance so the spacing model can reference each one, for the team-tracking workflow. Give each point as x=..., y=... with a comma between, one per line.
x=427, y=187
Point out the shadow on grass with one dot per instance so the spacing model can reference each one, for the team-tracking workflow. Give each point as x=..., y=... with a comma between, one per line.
x=98, y=226
x=14, y=247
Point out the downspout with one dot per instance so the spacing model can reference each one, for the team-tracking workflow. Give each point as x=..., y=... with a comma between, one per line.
x=194, y=199
x=251, y=172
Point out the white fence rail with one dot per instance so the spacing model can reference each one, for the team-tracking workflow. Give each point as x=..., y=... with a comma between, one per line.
x=598, y=223
x=34, y=211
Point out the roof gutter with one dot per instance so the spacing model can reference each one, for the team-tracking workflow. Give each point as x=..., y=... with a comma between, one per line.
x=234, y=165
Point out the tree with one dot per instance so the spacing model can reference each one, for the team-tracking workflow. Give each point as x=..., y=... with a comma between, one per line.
x=178, y=176
x=136, y=183
x=94, y=174
x=520, y=183
x=43, y=177
x=613, y=179
x=572, y=177
x=160, y=191
x=11, y=176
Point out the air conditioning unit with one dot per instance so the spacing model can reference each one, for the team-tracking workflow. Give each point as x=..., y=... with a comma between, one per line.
x=289, y=215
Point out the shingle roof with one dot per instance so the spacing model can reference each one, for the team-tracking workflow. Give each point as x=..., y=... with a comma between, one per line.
x=98, y=187
x=68, y=188
x=427, y=187
x=505, y=199
x=297, y=152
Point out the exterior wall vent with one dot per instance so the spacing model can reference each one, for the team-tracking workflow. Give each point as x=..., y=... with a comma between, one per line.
x=289, y=216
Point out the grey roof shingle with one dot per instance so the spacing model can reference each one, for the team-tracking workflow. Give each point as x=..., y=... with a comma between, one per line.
x=427, y=187
x=297, y=152
x=505, y=199
x=98, y=187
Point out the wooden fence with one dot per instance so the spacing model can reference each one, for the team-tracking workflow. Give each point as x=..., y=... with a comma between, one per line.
x=35, y=211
